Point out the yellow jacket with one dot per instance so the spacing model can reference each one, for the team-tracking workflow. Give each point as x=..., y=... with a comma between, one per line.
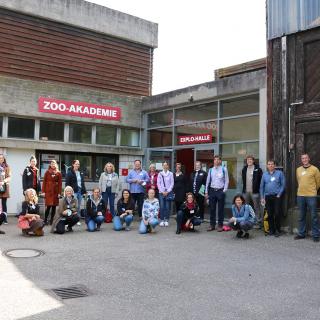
x=308, y=181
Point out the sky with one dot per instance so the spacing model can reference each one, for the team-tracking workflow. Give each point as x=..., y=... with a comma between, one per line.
x=197, y=37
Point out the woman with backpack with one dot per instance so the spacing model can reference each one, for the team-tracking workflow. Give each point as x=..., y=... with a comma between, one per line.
x=243, y=217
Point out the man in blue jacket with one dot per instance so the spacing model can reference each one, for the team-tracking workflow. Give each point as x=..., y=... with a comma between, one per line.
x=271, y=189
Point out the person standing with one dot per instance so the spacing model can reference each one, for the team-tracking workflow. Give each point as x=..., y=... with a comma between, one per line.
x=216, y=186
x=75, y=179
x=109, y=185
x=198, y=183
x=31, y=176
x=165, y=186
x=5, y=175
x=138, y=179
x=308, y=178
x=271, y=189
x=51, y=190
x=180, y=187
x=153, y=178
x=251, y=179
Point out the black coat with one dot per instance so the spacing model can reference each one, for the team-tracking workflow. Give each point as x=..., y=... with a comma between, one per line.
x=27, y=207
x=201, y=180
x=27, y=180
x=186, y=211
x=93, y=209
x=180, y=187
x=71, y=180
x=256, y=179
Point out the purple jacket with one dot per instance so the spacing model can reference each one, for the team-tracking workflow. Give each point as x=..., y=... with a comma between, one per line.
x=168, y=184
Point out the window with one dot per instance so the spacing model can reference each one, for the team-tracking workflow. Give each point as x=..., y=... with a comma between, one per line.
x=130, y=137
x=160, y=119
x=50, y=130
x=197, y=113
x=85, y=164
x=101, y=162
x=240, y=106
x=80, y=133
x=106, y=135
x=160, y=138
x=246, y=128
x=20, y=128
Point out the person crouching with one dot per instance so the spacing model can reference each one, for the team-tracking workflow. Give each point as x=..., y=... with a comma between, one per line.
x=187, y=215
x=150, y=211
x=67, y=214
x=96, y=209
x=242, y=219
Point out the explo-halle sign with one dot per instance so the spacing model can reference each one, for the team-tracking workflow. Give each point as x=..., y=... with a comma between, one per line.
x=195, y=138
x=79, y=109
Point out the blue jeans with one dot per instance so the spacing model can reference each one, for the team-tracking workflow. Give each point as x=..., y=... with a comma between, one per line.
x=108, y=197
x=78, y=195
x=93, y=222
x=118, y=222
x=303, y=204
x=143, y=228
x=165, y=207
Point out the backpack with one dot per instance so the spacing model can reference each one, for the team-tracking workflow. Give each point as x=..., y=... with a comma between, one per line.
x=108, y=216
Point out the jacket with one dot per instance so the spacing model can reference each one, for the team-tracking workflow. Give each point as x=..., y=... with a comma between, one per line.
x=64, y=205
x=201, y=180
x=189, y=215
x=29, y=208
x=126, y=206
x=256, y=179
x=71, y=180
x=150, y=209
x=244, y=213
x=6, y=174
x=165, y=182
x=154, y=184
x=115, y=183
x=27, y=179
x=52, y=187
x=93, y=207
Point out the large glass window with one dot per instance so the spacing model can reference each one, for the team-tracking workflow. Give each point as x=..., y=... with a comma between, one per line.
x=85, y=164
x=106, y=135
x=160, y=137
x=20, y=128
x=130, y=137
x=80, y=133
x=160, y=119
x=196, y=113
x=101, y=162
x=50, y=130
x=246, y=128
x=197, y=129
x=239, y=106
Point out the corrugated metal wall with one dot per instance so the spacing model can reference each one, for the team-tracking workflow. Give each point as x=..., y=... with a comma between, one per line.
x=290, y=16
x=43, y=50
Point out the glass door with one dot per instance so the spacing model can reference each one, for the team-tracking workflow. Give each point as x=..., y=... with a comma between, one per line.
x=158, y=156
x=205, y=155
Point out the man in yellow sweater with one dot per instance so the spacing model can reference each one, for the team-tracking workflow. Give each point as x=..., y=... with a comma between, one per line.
x=308, y=177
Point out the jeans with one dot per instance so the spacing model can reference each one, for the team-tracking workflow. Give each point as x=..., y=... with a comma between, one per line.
x=216, y=197
x=93, y=222
x=165, y=207
x=304, y=203
x=143, y=228
x=254, y=198
x=78, y=195
x=243, y=225
x=138, y=198
x=108, y=197
x=273, y=206
x=182, y=219
x=118, y=222
x=68, y=221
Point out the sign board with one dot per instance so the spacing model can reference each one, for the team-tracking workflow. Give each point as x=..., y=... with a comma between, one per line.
x=195, y=138
x=78, y=109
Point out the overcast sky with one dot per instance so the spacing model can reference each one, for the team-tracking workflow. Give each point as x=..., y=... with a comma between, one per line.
x=197, y=37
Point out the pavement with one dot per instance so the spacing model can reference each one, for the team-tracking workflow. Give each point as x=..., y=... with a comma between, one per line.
x=201, y=275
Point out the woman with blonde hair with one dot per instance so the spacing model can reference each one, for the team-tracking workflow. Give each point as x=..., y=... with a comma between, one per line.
x=51, y=190
x=109, y=185
x=67, y=214
x=29, y=218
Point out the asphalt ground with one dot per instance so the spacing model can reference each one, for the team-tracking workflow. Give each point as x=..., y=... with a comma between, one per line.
x=201, y=275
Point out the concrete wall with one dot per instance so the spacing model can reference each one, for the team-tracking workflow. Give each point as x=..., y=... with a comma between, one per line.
x=90, y=16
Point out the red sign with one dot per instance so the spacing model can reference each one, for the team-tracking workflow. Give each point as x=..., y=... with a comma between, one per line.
x=79, y=109
x=124, y=172
x=195, y=138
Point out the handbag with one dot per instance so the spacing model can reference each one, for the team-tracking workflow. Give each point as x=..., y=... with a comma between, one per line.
x=23, y=223
x=170, y=196
x=3, y=188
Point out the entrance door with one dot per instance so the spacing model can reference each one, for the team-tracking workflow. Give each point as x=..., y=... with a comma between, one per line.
x=186, y=158
x=205, y=155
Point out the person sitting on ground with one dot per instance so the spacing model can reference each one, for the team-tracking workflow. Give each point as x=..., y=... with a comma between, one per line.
x=125, y=208
x=150, y=211
x=187, y=215
x=29, y=218
x=242, y=218
x=96, y=209
x=67, y=214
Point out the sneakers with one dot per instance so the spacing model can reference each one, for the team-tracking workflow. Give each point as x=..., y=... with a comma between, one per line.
x=127, y=229
x=6, y=218
x=79, y=223
x=166, y=224
x=161, y=224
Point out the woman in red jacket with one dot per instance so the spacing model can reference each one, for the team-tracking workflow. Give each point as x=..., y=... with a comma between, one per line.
x=51, y=189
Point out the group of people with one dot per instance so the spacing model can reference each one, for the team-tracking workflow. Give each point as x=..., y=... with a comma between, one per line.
x=153, y=193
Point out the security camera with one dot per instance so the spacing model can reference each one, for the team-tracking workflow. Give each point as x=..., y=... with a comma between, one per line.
x=190, y=98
